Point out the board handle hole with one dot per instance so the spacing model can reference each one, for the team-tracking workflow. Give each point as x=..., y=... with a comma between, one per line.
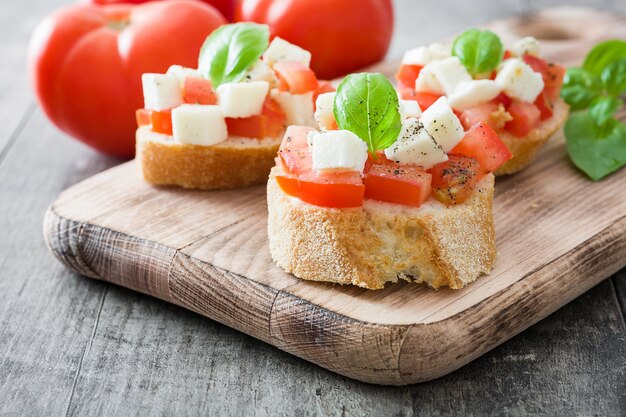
x=548, y=30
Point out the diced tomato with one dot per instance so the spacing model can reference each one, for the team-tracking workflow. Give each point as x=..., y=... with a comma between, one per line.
x=483, y=144
x=405, y=185
x=294, y=150
x=425, y=100
x=323, y=87
x=502, y=99
x=295, y=77
x=381, y=159
x=454, y=180
x=480, y=113
x=551, y=73
x=526, y=117
x=507, y=54
x=198, y=91
x=335, y=189
x=161, y=121
x=143, y=117
x=407, y=74
x=544, y=104
x=270, y=123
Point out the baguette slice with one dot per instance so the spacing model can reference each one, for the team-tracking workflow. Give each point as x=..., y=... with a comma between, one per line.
x=525, y=149
x=381, y=242
x=232, y=164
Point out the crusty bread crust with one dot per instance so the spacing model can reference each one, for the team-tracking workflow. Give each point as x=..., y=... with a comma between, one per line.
x=231, y=164
x=524, y=149
x=381, y=242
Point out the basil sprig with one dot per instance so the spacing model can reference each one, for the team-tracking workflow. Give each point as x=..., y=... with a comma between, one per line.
x=367, y=105
x=596, y=140
x=480, y=51
x=231, y=50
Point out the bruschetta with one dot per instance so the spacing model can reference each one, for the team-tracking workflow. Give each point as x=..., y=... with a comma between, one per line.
x=381, y=191
x=219, y=126
x=517, y=93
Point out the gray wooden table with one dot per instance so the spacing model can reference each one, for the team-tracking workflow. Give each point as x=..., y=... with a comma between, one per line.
x=74, y=346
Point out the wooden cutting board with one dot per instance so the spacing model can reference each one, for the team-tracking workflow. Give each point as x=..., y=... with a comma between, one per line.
x=558, y=234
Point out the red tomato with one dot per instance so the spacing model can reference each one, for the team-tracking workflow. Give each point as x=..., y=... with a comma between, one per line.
x=454, y=180
x=407, y=74
x=161, y=121
x=502, y=99
x=269, y=124
x=342, y=35
x=86, y=61
x=405, y=185
x=337, y=189
x=198, y=91
x=425, y=100
x=225, y=7
x=480, y=113
x=551, y=73
x=295, y=77
x=294, y=150
x=544, y=104
x=483, y=144
x=526, y=117
x=323, y=87
x=143, y=117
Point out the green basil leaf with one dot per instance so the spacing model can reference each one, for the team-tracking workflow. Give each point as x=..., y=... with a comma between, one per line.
x=367, y=105
x=580, y=88
x=614, y=77
x=597, y=153
x=231, y=50
x=603, y=54
x=602, y=110
x=479, y=51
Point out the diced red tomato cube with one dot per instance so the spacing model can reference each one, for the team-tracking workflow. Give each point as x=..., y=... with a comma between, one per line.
x=454, y=180
x=551, y=73
x=198, y=91
x=544, y=104
x=526, y=117
x=161, y=121
x=483, y=144
x=425, y=100
x=294, y=150
x=502, y=99
x=143, y=117
x=407, y=74
x=480, y=113
x=334, y=189
x=295, y=77
x=401, y=184
x=323, y=87
x=270, y=123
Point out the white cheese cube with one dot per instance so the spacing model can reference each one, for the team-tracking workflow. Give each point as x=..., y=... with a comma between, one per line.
x=261, y=72
x=527, y=45
x=197, y=124
x=161, y=91
x=425, y=54
x=415, y=146
x=324, y=110
x=181, y=73
x=409, y=108
x=281, y=50
x=518, y=80
x=440, y=121
x=449, y=73
x=297, y=107
x=339, y=150
x=471, y=93
x=427, y=81
x=242, y=99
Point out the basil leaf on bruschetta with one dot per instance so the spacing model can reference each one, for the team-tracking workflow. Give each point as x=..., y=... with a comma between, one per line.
x=480, y=51
x=603, y=54
x=231, y=50
x=367, y=105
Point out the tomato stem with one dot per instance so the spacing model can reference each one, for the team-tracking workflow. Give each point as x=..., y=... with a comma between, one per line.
x=118, y=25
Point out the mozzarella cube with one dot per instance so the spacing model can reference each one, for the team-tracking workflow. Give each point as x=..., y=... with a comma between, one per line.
x=324, y=114
x=161, y=91
x=415, y=146
x=181, y=73
x=427, y=81
x=281, y=50
x=425, y=54
x=440, y=121
x=297, y=107
x=197, y=124
x=470, y=93
x=339, y=150
x=527, y=45
x=261, y=72
x=242, y=99
x=518, y=80
x=450, y=72
x=409, y=108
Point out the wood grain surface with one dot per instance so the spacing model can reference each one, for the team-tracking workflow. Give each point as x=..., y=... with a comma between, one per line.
x=207, y=251
x=71, y=346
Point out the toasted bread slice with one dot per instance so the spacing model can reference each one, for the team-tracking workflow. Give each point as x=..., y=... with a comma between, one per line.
x=238, y=162
x=524, y=149
x=382, y=242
